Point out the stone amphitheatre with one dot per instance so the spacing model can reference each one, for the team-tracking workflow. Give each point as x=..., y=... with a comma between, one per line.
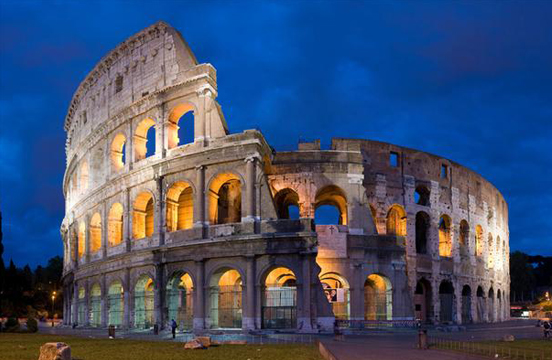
x=170, y=216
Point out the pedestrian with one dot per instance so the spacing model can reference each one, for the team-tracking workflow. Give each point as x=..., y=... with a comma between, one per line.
x=173, y=327
x=546, y=329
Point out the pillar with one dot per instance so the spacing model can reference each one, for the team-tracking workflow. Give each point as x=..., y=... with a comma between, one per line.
x=199, y=201
x=248, y=322
x=356, y=292
x=86, y=303
x=160, y=209
x=104, y=229
x=127, y=221
x=250, y=180
x=75, y=314
x=158, y=299
x=104, y=302
x=199, y=293
x=126, y=300
x=304, y=320
x=87, y=240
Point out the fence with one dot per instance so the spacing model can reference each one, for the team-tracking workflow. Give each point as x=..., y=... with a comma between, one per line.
x=377, y=324
x=497, y=350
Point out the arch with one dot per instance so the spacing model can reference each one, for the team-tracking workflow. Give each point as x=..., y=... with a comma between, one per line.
x=96, y=305
x=422, y=300
x=422, y=232
x=500, y=314
x=141, y=138
x=225, y=199
x=333, y=195
x=478, y=240
x=143, y=216
x=81, y=239
x=491, y=306
x=466, y=305
x=225, y=298
x=445, y=241
x=180, y=295
x=378, y=298
x=279, y=299
x=480, y=306
x=336, y=288
x=490, y=251
x=176, y=116
x=117, y=154
x=81, y=306
x=83, y=176
x=421, y=195
x=115, y=303
x=143, y=302
x=396, y=221
x=95, y=233
x=180, y=206
x=463, y=238
x=446, y=299
x=284, y=200
x=115, y=225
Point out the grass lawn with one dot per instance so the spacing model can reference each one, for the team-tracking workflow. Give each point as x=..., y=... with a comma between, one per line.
x=518, y=349
x=26, y=346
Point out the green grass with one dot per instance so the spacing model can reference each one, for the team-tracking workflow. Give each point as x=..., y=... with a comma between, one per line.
x=26, y=346
x=540, y=349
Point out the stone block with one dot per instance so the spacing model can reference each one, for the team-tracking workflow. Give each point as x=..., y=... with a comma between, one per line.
x=55, y=351
x=193, y=344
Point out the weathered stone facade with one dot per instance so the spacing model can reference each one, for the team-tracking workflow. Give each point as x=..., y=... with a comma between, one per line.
x=201, y=231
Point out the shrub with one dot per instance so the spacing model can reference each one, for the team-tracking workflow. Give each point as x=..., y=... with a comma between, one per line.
x=12, y=325
x=32, y=325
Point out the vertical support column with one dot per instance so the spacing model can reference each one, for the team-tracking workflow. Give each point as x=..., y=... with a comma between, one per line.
x=305, y=319
x=160, y=208
x=126, y=300
x=250, y=180
x=87, y=240
x=127, y=220
x=87, y=303
x=199, y=292
x=357, y=294
x=104, y=229
x=249, y=311
x=75, y=315
x=104, y=302
x=457, y=305
x=158, y=299
x=199, y=203
x=74, y=246
x=199, y=115
x=436, y=300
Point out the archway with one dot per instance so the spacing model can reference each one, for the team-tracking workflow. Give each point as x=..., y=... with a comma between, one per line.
x=287, y=204
x=463, y=238
x=466, y=305
x=143, y=216
x=378, y=298
x=331, y=196
x=480, y=304
x=421, y=195
x=336, y=289
x=491, y=306
x=225, y=299
x=500, y=314
x=422, y=230
x=81, y=306
x=144, y=139
x=115, y=225
x=181, y=125
x=143, y=302
x=96, y=305
x=446, y=299
x=490, y=252
x=81, y=239
x=117, y=152
x=478, y=240
x=115, y=304
x=225, y=199
x=279, y=300
x=445, y=240
x=95, y=233
x=84, y=177
x=180, y=207
x=180, y=295
x=396, y=221
x=422, y=300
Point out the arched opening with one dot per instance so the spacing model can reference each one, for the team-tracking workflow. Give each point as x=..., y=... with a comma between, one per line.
x=446, y=299
x=81, y=306
x=336, y=289
x=115, y=225
x=500, y=314
x=144, y=139
x=491, y=306
x=445, y=241
x=117, y=152
x=143, y=302
x=142, y=216
x=490, y=252
x=181, y=125
x=421, y=195
x=95, y=233
x=463, y=238
x=378, y=298
x=422, y=300
x=115, y=304
x=422, y=232
x=225, y=199
x=96, y=305
x=330, y=206
x=396, y=221
x=480, y=304
x=478, y=240
x=225, y=299
x=84, y=176
x=180, y=295
x=466, y=305
x=279, y=300
x=73, y=246
x=180, y=207
x=287, y=204
x=374, y=214
x=81, y=239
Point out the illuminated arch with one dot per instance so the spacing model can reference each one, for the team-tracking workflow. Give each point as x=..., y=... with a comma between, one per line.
x=445, y=239
x=478, y=240
x=143, y=216
x=464, y=237
x=115, y=303
x=96, y=305
x=95, y=233
x=143, y=302
x=225, y=199
x=378, y=298
x=225, y=298
x=180, y=294
x=284, y=200
x=396, y=221
x=117, y=152
x=279, y=299
x=180, y=206
x=141, y=138
x=81, y=239
x=84, y=176
x=175, y=117
x=115, y=225
x=332, y=195
x=336, y=289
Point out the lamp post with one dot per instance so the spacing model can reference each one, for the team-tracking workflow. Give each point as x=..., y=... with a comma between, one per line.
x=53, y=299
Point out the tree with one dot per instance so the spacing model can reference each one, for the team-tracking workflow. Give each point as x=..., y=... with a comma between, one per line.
x=522, y=277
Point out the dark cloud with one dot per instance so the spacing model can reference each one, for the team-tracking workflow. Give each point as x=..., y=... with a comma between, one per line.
x=466, y=80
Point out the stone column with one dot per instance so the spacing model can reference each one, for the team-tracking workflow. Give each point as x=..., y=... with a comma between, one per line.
x=75, y=315
x=158, y=296
x=304, y=320
x=249, y=310
x=356, y=292
x=126, y=300
x=104, y=302
x=199, y=201
x=74, y=247
x=87, y=303
x=127, y=221
x=104, y=228
x=457, y=305
x=87, y=240
x=250, y=180
x=199, y=292
x=160, y=208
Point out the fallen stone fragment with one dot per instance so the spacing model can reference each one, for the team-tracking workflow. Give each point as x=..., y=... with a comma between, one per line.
x=204, y=340
x=193, y=344
x=55, y=351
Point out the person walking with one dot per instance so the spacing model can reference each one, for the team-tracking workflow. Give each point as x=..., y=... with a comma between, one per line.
x=173, y=327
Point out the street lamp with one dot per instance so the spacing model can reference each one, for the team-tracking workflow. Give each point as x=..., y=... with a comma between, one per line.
x=53, y=299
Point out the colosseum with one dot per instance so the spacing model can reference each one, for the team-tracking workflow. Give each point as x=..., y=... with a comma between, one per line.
x=170, y=216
